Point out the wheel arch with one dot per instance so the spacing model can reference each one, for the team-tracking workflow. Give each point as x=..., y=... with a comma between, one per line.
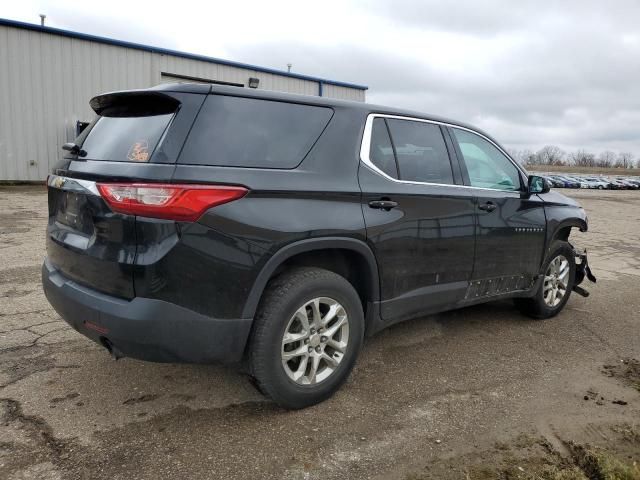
x=309, y=246
x=562, y=229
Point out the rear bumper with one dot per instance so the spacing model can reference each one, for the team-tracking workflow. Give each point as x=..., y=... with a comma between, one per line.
x=145, y=328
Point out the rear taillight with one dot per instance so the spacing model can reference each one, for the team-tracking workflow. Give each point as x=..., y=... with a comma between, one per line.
x=184, y=203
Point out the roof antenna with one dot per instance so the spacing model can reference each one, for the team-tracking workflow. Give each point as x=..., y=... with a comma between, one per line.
x=42, y=17
x=289, y=68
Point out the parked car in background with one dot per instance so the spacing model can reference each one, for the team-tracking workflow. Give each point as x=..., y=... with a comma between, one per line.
x=629, y=185
x=594, y=182
x=580, y=181
x=559, y=182
x=599, y=182
x=618, y=184
x=568, y=183
x=553, y=181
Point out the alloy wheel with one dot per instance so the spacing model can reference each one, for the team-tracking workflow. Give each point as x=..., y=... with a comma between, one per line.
x=315, y=341
x=556, y=281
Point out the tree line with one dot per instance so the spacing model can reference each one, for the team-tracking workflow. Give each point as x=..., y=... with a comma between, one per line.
x=552, y=155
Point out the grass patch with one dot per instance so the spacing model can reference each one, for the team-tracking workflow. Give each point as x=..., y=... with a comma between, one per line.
x=527, y=458
x=562, y=473
x=598, y=464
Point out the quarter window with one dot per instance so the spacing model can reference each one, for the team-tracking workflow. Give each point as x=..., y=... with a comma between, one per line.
x=421, y=152
x=488, y=167
x=246, y=132
x=381, y=150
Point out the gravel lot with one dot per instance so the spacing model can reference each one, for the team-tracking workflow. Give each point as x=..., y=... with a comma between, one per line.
x=454, y=395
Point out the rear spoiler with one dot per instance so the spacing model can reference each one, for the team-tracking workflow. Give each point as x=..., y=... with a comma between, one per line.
x=134, y=103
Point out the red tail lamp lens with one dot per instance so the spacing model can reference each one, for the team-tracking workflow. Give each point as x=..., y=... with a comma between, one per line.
x=185, y=203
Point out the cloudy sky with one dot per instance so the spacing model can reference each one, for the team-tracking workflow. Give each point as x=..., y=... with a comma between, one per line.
x=530, y=72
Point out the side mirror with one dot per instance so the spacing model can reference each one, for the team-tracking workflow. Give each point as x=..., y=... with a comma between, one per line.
x=538, y=184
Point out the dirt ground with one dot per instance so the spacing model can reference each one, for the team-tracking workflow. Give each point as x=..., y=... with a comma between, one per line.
x=476, y=393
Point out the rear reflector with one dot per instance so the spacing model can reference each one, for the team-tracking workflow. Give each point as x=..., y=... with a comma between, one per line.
x=185, y=203
x=97, y=328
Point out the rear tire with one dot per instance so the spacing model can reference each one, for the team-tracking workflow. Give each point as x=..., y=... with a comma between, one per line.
x=559, y=271
x=307, y=334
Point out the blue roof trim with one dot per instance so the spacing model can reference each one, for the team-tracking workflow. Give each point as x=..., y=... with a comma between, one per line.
x=166, y=51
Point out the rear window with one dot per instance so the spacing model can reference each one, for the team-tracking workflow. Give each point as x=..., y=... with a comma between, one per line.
x=247, y=132
x=421, y=152
x=124, y=139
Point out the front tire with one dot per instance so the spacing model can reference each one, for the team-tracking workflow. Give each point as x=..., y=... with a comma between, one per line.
x=307, y=335
x=559, y=271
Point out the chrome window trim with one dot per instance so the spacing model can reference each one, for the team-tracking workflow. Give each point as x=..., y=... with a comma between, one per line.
x=73, y=184
x=365, y=147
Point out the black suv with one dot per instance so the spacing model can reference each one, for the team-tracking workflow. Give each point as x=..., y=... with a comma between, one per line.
x=201, y=223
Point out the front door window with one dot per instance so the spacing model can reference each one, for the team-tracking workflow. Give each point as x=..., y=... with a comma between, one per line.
x=488, y=167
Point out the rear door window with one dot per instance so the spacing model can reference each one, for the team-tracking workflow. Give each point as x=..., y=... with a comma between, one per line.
x=381, y=150
x=248, y=132
x=421, y=151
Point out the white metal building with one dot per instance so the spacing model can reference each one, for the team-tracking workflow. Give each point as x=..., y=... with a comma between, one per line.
x=48, y=76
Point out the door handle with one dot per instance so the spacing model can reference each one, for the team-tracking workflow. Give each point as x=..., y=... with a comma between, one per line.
x=488, y=207
x=383, y=204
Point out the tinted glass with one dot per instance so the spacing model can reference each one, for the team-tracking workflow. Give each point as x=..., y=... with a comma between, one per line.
x=381, y=151
x=421, y=151
x=124, y=139
x=246, y=132
x=488, y=167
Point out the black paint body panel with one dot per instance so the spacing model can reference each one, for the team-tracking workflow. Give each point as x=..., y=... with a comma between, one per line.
x=424, y=247
x=89, y=243
x=511, y=238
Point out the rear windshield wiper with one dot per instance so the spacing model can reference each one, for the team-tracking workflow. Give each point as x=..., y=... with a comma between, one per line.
x=74, y=149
